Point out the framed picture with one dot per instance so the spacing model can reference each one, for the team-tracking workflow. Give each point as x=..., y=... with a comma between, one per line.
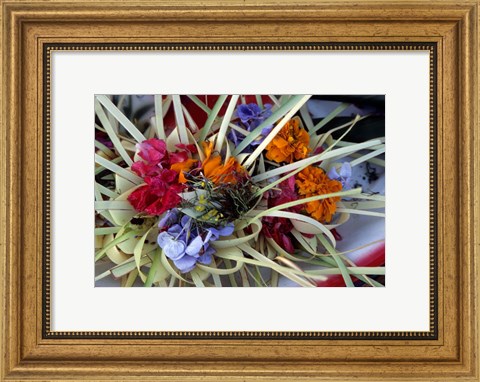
x=236, y=191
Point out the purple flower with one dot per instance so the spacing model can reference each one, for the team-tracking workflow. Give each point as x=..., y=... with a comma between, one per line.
x=173, y=247
x=222, y=231
x=267, y=130
x=251, y=116
x=247, y=112
x=206, y=258
x=343, y=176
x=185, y=243
x=170, y=217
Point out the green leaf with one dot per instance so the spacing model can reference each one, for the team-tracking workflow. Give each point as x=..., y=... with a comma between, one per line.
x=112, y=134
x=367, y=157
x=132, y=276
x=225, y=122
x=211, y=118
x=153, y=269
x=343, y=269
x=127, y=235
x=115, y=168
x=113, y=205
x=159, y=117
x=106, y=191
x=104, y=149
x=329, y=117
x=170, y=269
x=138, y=250
x=266, y=262
x=120, y=117
x=307, y=118
x=106, y=230
x=99, y=169
x=179, y=117
x=128, y=266
x=196, y=279
x=283, y=206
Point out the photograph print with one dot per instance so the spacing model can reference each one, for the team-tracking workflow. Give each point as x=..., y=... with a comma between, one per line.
x=284, y=190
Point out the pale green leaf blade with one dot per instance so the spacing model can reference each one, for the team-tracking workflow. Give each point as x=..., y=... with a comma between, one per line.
x=120, y=117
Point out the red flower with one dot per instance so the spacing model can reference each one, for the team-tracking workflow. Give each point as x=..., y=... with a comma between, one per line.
x=159, y=194
x=285, y=194
x=161, y=172
x=279, y=228
x=166, y=176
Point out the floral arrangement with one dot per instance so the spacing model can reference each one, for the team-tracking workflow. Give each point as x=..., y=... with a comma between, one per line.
x=249, y=194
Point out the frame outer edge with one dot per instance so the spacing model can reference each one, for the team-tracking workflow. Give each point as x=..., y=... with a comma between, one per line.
x=10, y=186
x=469, y=190
x=11, y=189
x=211, y=10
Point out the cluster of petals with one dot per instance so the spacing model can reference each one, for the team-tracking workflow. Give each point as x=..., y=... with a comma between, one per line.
x=313, y=181
x=163, y=174
x=185, y=243
x=218, y=171
x=290, y=144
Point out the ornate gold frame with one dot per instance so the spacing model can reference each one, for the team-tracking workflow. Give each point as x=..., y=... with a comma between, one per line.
x=29, y=352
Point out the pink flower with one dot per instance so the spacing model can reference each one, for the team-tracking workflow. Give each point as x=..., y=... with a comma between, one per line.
x=190, y=147
x=179, y=156
x=143, y=169
x=153, y=151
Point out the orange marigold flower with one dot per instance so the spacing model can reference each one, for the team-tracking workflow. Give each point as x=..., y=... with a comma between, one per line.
x=182, y=167
x=217, y=172
x=313, y=181
x=290, y=144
